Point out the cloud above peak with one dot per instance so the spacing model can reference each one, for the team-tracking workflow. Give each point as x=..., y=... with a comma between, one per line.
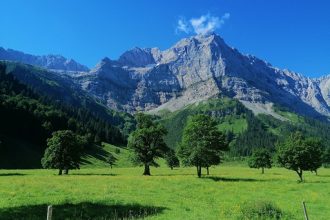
x=204, y=24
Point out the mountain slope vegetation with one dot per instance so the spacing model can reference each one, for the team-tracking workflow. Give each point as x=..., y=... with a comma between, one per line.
x=28, y=119
x=245, y=130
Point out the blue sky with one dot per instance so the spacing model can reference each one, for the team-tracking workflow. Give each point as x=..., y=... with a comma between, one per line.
x=291, y=34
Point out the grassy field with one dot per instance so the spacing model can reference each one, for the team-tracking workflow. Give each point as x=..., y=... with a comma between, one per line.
x=102, y=193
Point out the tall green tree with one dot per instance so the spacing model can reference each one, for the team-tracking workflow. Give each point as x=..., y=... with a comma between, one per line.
x=260, y=158
x=63, y=151
x=171, y=159
x=202, y=143
x=147, y=142
x=111, y=160
x=300, y=154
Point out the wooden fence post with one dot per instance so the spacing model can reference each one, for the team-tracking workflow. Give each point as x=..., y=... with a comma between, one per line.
x=49, y=212
x=305, y=210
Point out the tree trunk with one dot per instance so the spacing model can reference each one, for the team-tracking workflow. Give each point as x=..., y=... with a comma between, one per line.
x=262, y=170
x=300, y=174
x=146, y=170
x=171, y=168
x=66, y=171
x=199, y=171
x=207, y=171
x=60, y=172
x=111, y=166
x=316, y=172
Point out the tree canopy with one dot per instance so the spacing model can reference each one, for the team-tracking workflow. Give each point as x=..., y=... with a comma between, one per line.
x=63, y=152
x=111, y=160
x=147, y=142
x=300, y=154
x=171, y=159
x=261, y=158
x=202, y=143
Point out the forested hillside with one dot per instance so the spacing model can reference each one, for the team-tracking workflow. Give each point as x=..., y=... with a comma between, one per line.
x=28, y=119
x=60, y=88
x=35, y=102
x=245, y=131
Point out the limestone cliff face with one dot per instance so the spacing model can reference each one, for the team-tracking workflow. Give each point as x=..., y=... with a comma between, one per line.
x=199, y=68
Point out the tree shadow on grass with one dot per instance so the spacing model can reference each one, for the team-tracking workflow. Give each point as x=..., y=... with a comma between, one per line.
x=228, y=179
x=85, y=210
x=97, y=152
x=323, y=175
x=94, y=174
x=177, y=174
x=12, y=174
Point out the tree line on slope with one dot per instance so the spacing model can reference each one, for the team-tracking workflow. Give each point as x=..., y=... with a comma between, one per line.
x=33, y=118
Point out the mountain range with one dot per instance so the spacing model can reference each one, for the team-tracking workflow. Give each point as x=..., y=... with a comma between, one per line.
x=194, y=69
x=53, y=62
x=254, y=103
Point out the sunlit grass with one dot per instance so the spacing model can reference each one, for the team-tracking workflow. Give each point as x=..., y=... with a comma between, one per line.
x=179, y=193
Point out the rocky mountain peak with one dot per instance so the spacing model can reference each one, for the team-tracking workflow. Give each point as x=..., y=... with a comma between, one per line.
x=138, y=57
x=194, y=69
x=198, y=68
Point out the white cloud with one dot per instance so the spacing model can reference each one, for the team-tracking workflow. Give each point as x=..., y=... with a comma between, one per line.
x=183, y=26
x=205, y=24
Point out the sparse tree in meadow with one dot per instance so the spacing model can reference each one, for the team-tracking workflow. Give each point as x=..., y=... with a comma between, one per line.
x=300, y=154
x=260, y=158
x=171, y=159
x=63, y=151
x=147, y=142
x=202, y=143
x=111, y=160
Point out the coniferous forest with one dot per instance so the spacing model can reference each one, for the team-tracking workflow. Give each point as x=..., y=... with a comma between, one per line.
x=33, y=118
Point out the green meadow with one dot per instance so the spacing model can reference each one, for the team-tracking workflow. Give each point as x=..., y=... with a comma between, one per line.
x=123, y=193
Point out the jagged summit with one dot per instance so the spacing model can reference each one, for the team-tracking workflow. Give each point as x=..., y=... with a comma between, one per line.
x=194, y=69
x=198, y=68
x=139, y=57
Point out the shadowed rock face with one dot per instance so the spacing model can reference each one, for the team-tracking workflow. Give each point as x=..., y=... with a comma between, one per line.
x=55, y=62
x=198, y=68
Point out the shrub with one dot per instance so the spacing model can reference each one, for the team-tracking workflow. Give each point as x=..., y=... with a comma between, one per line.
x=261, y=210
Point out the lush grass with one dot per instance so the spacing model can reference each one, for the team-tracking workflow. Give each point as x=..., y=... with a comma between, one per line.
x=292, y=117
x=235, y=124
x=97, y=155
x=167, y=194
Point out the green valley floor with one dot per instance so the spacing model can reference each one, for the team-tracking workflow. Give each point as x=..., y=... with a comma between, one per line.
x=104, y=193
